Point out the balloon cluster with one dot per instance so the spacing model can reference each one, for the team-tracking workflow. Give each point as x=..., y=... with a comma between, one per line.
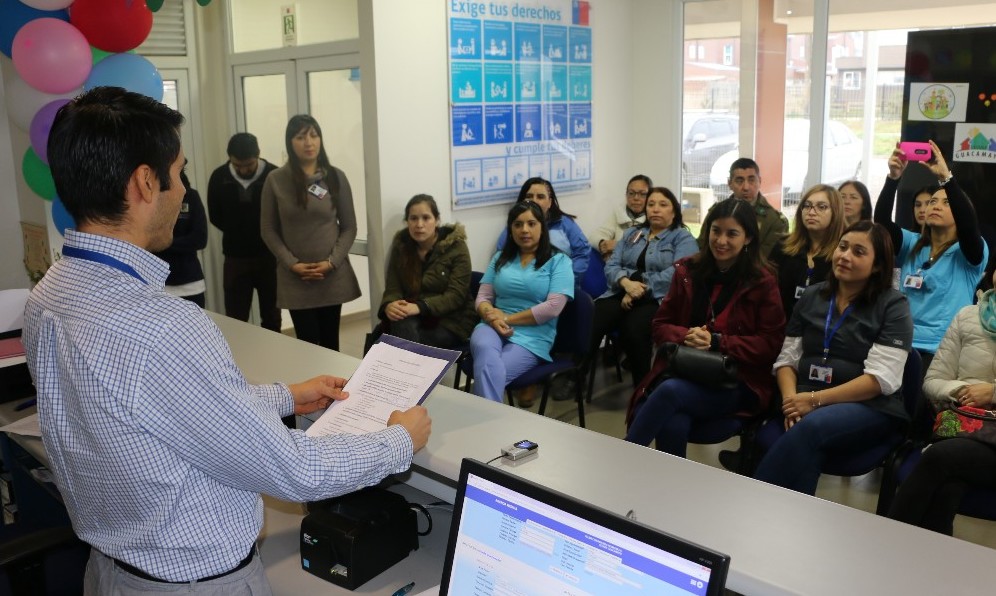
x=60, y=47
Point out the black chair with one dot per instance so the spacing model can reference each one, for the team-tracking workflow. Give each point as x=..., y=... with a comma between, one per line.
x=595, y=284
x=475, y=285
x=858, y=464
x=46, y=561
x=746, y=426
x=569, y=352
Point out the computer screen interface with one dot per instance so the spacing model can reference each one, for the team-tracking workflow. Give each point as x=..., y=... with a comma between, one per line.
x=506, y=542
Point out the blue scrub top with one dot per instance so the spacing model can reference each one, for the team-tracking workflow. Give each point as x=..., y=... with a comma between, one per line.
x=948, y=285
x=518, y=288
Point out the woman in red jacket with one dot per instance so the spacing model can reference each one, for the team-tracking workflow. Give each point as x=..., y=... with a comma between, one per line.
x=723, y=299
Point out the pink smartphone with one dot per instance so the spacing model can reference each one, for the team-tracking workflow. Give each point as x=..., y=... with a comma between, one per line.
x=916, y=151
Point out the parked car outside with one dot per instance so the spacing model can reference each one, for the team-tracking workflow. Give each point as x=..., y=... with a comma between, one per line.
x=841, y=160
x=705, y=137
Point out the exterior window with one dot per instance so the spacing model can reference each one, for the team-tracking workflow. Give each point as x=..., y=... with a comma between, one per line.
x=728, y=55
x=852, y=79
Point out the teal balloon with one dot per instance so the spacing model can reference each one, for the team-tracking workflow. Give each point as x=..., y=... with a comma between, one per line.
x=38, y=175
x=154, y=5
x=61, y=217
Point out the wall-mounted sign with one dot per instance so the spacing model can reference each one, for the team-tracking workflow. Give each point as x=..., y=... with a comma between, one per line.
x=288, y=24
x=520, y=97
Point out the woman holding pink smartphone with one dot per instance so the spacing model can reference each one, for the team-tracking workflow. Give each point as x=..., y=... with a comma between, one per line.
x=939, y=267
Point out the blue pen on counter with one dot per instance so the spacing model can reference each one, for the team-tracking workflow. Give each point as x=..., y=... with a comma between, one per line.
x=404, y=589
x=24, y=405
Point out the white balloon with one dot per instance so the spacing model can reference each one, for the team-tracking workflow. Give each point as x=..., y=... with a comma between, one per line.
x=23, y=101
x=47, y=4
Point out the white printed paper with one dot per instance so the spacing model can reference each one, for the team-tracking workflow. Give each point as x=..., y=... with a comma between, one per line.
x=388, y=379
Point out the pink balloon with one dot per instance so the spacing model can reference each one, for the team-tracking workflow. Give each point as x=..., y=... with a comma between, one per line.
x=47, y=4
x=51, y=55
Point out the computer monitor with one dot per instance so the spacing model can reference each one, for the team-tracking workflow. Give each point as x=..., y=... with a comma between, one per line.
x=513, y=536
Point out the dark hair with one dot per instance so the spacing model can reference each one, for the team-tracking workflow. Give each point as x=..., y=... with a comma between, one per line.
x=881, y=278
x=642, y=178
x=410, y=264
x=295, y=126
x=553, y=213
x=675, y=207
x=99, y=139
x=744, y=163
x=750, y=263
x=866, y=200
x=544, y=251
x=925, y=231
x=928, y=190
x=243, y=145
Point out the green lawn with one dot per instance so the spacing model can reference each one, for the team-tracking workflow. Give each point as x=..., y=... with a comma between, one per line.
x=886, y=135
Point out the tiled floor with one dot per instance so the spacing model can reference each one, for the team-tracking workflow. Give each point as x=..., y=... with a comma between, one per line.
x=605, y=415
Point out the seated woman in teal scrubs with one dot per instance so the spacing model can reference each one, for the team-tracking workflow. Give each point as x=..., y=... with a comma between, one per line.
x=522, y=293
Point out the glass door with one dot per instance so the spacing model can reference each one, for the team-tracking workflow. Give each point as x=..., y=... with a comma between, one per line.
x=265, y=95
x=328, y=88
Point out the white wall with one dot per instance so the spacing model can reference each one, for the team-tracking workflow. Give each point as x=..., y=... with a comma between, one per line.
x=403, y=42
x=17, y=202
x=258, y=23
x=655, y=41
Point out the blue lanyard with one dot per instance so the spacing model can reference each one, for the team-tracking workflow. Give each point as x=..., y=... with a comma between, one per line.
x=99, y=257
x=828, y=333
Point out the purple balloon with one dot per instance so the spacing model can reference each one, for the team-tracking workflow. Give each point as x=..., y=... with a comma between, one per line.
x=41, y=124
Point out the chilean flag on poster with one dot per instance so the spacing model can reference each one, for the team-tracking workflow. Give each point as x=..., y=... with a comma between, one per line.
x=579, y=10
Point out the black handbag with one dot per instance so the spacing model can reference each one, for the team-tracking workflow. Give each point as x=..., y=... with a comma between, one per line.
x=709, y=369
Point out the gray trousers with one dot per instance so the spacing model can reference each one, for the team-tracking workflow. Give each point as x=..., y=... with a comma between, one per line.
x=104, y=578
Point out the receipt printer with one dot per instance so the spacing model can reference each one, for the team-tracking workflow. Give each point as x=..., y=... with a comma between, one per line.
x=350, y=539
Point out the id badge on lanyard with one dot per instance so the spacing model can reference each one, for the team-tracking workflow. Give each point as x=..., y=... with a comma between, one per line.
x=914, y=281
x=823, y=373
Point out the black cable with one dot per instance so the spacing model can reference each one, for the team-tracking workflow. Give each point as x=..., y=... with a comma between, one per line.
x=488, y=463
x=417, y=507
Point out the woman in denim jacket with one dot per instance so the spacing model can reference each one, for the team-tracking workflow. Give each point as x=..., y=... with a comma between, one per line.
x=639, y=274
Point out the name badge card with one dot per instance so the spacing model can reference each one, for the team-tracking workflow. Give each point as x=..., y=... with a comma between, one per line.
x=823, y=374
x=913, y=281
x=317, y=191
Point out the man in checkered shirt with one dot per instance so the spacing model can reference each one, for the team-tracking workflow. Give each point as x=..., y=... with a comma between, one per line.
x=159, y=445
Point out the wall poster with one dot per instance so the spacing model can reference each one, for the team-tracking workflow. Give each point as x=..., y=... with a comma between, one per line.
x=520, y=97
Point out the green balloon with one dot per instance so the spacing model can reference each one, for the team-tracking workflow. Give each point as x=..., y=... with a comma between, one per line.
x=204, y=2
x=99, y=54
x=154, y=5
x=38, y=175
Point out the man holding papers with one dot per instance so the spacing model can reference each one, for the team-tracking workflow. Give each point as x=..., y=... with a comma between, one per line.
x=158, y=444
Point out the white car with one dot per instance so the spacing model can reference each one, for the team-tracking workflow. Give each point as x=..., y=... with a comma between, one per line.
x=841, y=159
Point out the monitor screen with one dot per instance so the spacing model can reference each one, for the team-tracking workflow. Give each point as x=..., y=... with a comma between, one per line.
x=512, y=536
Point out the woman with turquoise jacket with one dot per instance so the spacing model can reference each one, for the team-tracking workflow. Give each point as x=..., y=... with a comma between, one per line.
x=639, y=275
x=565, y=235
